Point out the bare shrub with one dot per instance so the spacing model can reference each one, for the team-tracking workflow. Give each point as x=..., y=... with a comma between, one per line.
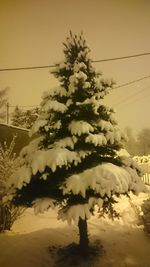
x=8, y=212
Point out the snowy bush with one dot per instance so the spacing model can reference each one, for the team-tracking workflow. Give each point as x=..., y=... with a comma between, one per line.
x=8, y=212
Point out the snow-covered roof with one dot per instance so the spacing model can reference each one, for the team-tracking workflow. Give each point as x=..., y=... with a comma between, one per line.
x=15, y=127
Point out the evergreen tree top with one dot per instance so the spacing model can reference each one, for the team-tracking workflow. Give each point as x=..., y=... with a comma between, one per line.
x=77, y=70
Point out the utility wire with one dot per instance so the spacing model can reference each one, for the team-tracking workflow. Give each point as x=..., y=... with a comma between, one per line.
x=120, y=58
x=134, y=81
x=122, y=85
x=131, y=96
x=28, y=68
x=94, y=61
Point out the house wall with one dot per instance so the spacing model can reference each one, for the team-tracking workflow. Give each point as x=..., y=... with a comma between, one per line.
x=8, y=131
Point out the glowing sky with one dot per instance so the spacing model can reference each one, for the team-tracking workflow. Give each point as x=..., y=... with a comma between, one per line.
x=32, y=33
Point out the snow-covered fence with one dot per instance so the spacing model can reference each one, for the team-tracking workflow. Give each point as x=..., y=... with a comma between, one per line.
x=144, y=162
x=146, y=178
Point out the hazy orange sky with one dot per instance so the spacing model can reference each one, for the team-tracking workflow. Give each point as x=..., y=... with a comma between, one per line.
x=32, y=33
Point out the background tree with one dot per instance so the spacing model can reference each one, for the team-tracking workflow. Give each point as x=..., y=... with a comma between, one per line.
x=3, y=102
x=17, y=117
x=73, y=164
x=24, y=119
x=143, y=142
x=131, y=142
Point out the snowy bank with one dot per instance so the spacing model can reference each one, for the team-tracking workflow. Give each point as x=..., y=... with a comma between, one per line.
x=125, y=243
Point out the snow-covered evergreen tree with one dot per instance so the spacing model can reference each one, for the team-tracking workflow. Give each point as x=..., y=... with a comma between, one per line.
x=74, y=164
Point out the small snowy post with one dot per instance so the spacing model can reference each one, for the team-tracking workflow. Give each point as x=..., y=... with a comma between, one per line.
x=74, y=162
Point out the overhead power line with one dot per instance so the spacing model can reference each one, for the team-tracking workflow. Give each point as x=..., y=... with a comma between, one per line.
x=94, y=61
x=134, y=81
x=121, y=58
x=28, y=68
x=122, y=85
x=131, y=96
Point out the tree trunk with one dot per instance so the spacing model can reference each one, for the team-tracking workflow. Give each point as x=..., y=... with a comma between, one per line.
x=83, y=233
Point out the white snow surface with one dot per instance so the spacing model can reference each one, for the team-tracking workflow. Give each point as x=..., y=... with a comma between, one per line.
x=124, y=242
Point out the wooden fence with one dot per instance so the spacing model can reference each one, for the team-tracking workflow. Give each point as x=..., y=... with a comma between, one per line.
x=146, y=178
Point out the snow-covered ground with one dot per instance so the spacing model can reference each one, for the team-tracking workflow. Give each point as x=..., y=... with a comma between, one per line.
x=124, y=242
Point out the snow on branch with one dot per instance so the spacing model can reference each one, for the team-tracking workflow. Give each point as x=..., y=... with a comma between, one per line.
x=41, y=205
x=30, y=148
x=91, y=101
x=105, y=179
x=105, y=125
x=66, y=142
x=80, y=127
x=61, y=91
x=39, y=160
x=52, y=158
x=37, y=125
x=55, y=106
x=20, y=178
x=96, y=139
x=115, y=136
x=74, y=213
